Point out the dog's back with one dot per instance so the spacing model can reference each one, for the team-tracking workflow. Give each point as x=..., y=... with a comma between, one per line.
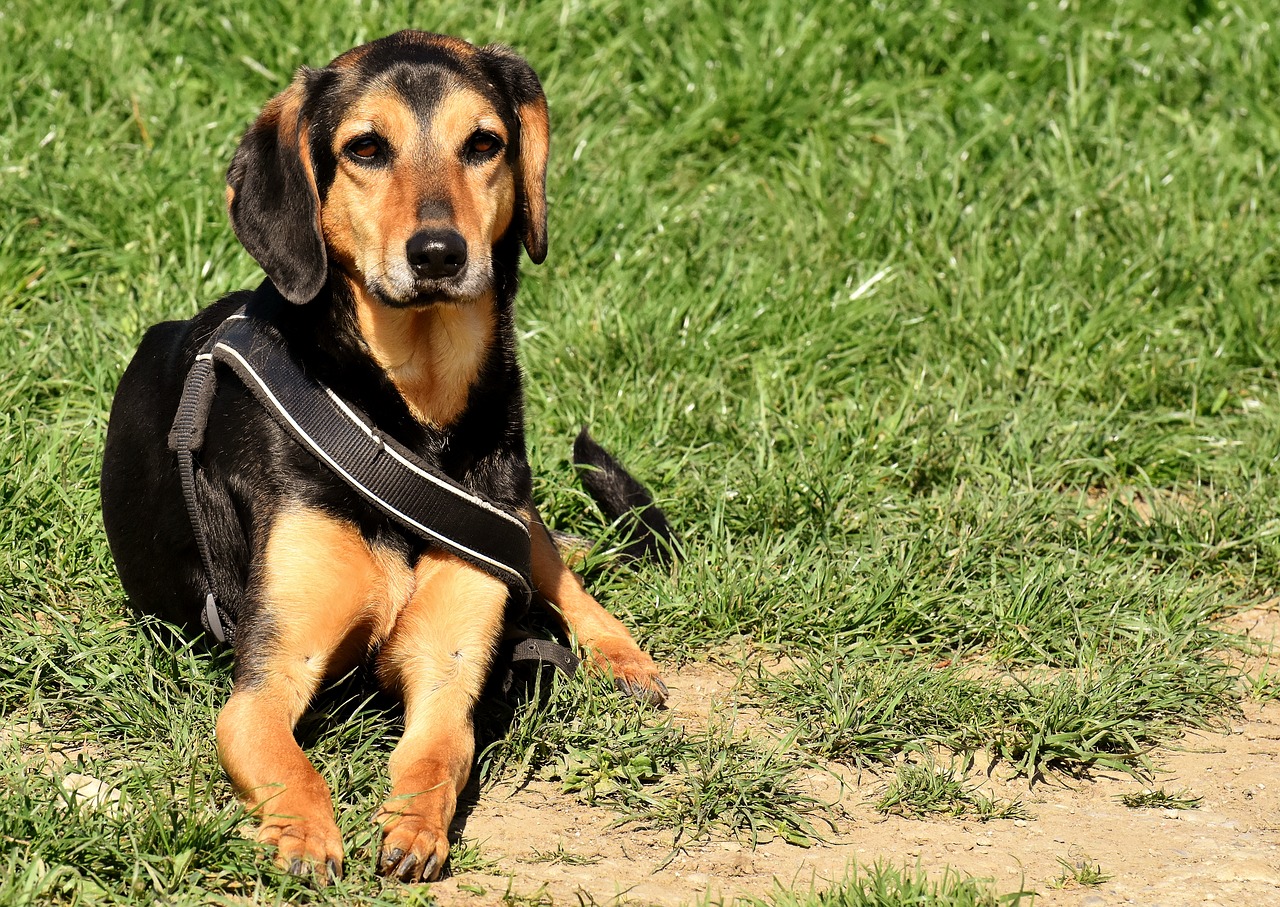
x=142, y=509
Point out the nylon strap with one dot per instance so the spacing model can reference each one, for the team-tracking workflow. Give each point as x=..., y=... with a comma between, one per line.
x=390, y=476
x=545, y=651
x=536, y=651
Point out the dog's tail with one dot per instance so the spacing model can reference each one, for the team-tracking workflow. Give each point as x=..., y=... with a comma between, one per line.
x=625, y=502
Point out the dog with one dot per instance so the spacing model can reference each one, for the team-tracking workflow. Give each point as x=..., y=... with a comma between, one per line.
x=387, y=197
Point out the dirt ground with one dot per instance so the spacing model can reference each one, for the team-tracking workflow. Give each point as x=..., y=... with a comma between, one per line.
x=548, y=848
x=1226, y=851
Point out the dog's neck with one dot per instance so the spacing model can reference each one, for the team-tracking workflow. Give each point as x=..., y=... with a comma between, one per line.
x=432, y=355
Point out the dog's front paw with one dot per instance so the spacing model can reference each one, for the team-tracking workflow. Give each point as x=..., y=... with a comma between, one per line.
x=633, y=671
x=414, y=848
x=304, y=846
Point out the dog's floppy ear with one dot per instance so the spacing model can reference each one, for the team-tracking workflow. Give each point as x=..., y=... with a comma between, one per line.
x=272, y=195
x=521, y=85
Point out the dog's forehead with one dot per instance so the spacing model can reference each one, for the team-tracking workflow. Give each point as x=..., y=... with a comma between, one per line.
x=420, y=69
x=429, y=102
x=406, y=45
x=426, y=91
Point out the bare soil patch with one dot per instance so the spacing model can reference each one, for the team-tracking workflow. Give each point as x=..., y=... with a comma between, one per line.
x=1226, y=851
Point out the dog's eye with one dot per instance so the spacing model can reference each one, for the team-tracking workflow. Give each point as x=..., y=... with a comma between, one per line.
x=365, y=148
x=483, y=145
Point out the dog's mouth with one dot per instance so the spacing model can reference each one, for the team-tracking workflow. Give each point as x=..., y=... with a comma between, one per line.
x=420, y=294
x=395, y=284
x=422, y=298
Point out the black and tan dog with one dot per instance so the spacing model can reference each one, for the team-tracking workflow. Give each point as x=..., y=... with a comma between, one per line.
x=386, y=197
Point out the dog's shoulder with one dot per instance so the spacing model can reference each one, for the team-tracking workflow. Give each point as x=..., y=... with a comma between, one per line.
x=168, y=348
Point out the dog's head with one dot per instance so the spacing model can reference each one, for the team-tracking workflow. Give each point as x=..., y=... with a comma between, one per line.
x=401, y=164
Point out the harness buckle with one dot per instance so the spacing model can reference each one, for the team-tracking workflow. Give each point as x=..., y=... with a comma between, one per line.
x=212, y=618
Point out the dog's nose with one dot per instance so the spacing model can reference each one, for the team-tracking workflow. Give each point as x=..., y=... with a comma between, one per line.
x=436, y=253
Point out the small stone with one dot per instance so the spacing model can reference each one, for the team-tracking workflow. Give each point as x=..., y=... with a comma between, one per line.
x=92, y=792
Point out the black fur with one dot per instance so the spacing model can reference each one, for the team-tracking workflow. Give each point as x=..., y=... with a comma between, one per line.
x=250, y=467
x=276, y=205
x=625, y=501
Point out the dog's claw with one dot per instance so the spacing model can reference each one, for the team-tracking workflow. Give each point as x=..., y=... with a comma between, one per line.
x=297, y=867
x=405, y=871
x=391, y=858
x=633, y=671
x=335, y=871
x=651, y=695
x=651, y=692
x=415, y=847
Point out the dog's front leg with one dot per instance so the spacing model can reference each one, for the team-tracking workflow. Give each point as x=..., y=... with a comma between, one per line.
x=606, y=641
x=438, y=658
x=276, y=781
x=316, y=580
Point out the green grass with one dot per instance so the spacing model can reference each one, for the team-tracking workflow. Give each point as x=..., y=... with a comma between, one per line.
x=882, y=885
x=603, y=749
x=1080, y=873
x=924, y=789
x=947, y=334
x=1159, y=798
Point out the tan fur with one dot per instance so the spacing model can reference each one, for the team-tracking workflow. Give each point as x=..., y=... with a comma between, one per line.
x=283, y=111
x=330, y=597
x=609, y=645
x=273, y=777
x=326, y=584
x=482, y=198
x=432, y=355
x=437, y=657
x=370, y=214
x=333, y=599
x=535, y=147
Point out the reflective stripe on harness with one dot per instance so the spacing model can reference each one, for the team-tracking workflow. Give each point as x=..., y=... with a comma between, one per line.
x=388, y=475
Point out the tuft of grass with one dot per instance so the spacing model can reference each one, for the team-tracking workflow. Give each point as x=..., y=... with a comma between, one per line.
x=561, y=856
x=1081, y=873
x=1106, y=716
x=1264, y=684
x=923, y=789
x=883, y=885
x=467, y=856
x=539, y=897
x=1159, y=798
x=603, y=749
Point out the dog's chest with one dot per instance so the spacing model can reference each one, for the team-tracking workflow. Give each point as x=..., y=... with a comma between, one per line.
x=432, y=356
x=322, y=577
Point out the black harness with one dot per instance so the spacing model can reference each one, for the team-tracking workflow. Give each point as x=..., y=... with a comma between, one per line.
x=390, y=476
